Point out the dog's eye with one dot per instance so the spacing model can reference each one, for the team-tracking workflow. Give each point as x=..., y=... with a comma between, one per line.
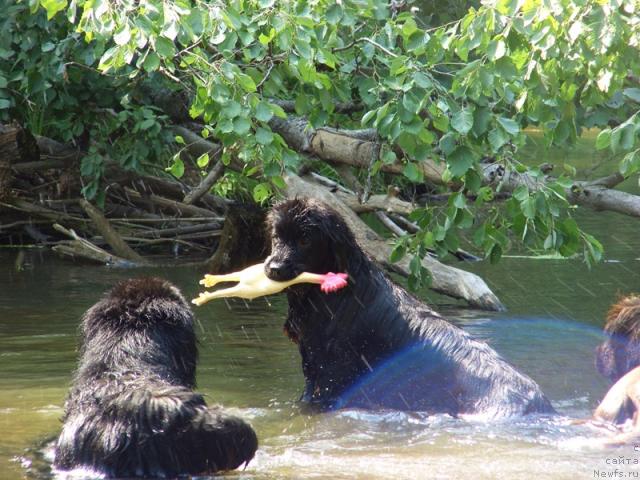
x=304, y=241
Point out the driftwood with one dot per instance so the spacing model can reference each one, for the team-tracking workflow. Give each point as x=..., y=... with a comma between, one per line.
x=207, y=182
x=79, y=247
x=212, y=228
x=39, y=211
x=112, y=237
x=178, y=207
x=445, y=279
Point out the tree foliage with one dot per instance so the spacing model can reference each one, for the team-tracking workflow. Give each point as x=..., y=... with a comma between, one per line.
x=457, y=94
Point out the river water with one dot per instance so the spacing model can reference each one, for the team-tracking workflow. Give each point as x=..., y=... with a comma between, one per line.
x=554, y=321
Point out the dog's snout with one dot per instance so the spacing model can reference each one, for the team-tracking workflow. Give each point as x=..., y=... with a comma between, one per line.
x=277, y=270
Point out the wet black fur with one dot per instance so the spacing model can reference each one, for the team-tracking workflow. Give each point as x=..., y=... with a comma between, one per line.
x=344, y=336
x=131, y=411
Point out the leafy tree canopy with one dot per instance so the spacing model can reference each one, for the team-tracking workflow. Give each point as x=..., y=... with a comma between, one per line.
x=452, y=95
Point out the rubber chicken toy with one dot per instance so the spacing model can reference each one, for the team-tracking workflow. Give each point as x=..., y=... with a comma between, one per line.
x=253, y=283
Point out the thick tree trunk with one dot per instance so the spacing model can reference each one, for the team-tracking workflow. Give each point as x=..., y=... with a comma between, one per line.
x=16, y=145
x=357, y=148
x=243, y=240
x=8, y=154
x=446, y=280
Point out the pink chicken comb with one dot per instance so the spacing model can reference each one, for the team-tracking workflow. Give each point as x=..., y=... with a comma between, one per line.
x=332, y=282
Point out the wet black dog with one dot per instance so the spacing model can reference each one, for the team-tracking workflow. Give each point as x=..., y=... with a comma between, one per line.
x=131, y=411
x=372, y=344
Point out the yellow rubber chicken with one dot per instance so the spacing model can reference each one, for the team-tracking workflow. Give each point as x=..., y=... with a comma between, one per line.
x=252, y=283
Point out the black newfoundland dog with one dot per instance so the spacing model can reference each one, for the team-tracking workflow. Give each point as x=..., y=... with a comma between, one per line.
x=131, y=411
x=372, y=344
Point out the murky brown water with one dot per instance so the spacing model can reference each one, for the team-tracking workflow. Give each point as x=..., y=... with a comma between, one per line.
x=552, y=326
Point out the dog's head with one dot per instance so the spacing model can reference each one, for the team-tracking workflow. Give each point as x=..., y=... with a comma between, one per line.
x=142, y=319
x=307, y=236
x=620, y=353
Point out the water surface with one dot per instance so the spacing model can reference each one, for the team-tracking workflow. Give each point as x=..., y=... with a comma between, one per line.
x=555, y=315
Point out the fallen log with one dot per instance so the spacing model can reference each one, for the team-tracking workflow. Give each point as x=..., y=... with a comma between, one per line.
x=169, y=232
x=348, y=147
x=39, y=211
x=79, y=247
x=111, y=236
x=207, y=182
x=447, y=280
x=178, y=207
x=385, y=203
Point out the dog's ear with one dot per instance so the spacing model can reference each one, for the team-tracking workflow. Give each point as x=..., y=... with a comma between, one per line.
x=342, y=241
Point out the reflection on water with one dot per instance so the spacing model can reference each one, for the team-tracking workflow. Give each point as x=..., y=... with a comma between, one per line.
x=556, y=310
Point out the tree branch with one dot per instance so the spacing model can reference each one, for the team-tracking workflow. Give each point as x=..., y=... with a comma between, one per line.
x=347, y=147
x=592, y=194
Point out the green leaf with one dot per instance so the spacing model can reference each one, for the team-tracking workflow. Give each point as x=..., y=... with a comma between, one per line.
x=462, y=121
x=263, y=112
x=413, y=173
x=603, y=140
x=398, y=252
x=368, y=117
x=511, y=126
x=4, y=104
x=630, y=163
x=303, y=48
x=448, y=143
x=53, y=6
x=264, y=136
x=460, y=160
x=521, y=193
x=422, y=80
x=179, y=140
x=632, y=94
x=123, y=35
x=416, y=40
x=528, y=206
x=277, y=110
x=246, y=82
x=241, y=125
x=389, y=157
x=232, y=109
x=496, y=50
x=627, y=136
x=333, y=14
x=151, y=62
x=147, y=124
x=495, y=253
x=177, y=167
x=261, y=192
x=165, y=48
x=203, y=160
